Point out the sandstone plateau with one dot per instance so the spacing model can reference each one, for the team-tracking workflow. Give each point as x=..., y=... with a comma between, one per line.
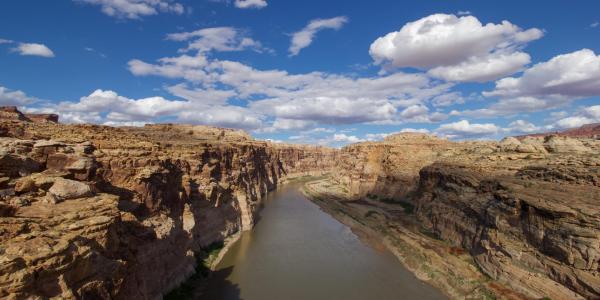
x=516, y=219
x=97, y=212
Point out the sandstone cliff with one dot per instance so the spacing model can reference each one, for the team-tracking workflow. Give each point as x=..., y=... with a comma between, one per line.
x=93, y=211
x=12, y=113
x=525, y=211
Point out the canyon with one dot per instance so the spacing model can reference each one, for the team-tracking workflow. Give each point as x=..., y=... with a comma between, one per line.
x=93, y=211
x=90, y=211
x=515, y=219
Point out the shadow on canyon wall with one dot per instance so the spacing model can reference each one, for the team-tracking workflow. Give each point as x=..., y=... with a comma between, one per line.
x=197, y=287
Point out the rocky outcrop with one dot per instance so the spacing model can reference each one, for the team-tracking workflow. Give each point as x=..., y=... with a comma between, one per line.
x=529, y=233
x=525, y=210
x=100, y=212
x=12, y=113
x=387, y=168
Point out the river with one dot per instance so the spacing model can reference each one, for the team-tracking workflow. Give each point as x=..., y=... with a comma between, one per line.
x=296, y=251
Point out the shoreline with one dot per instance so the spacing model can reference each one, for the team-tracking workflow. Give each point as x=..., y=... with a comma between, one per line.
x=212, y=263
x=432, y=261
x=227, y=244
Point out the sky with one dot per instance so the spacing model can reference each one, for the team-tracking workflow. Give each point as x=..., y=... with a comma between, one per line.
x=312, y=71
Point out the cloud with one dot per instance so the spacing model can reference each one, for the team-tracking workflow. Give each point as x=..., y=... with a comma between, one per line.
x=33, y=49
x=521, y=127
x=304, y=37
x=419, y=130
x=224, y=39
x=517, y=105
x=4, y=41
x=326, y=110
x=191, y=68
x=546, y=85
x=109, y=108
x=448, y=99
x=586, y=115
x=198, y=95
x=341, y=137
x=135, y=9
x=376, y=136
x=226, y=116
x=92, y=50
x=250, y=4
x=594, y=24
x=319, y=97
x=456, y=48
x=14, y=98
x=464, y=129
x=282, y=124
x=573, y=75
x=119, y=108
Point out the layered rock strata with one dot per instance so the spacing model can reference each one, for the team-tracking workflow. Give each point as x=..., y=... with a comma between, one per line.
x=101, y=212
x=525, y=211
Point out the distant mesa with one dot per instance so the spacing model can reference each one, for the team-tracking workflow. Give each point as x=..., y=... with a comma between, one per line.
x=591, y=131
x=12, y=113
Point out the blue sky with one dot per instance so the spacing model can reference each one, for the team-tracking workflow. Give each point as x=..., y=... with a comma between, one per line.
x=323, y=72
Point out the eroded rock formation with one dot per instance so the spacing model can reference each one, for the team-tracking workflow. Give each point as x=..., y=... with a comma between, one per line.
x=526, y=211
x=12, y=113
x=93, y=211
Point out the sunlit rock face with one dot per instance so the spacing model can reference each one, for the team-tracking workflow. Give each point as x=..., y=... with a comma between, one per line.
x=12, y=113
x=104, y=212
x=388, y=168
x=526, y=209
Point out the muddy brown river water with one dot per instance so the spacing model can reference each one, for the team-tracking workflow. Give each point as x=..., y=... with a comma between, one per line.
x=296, y=251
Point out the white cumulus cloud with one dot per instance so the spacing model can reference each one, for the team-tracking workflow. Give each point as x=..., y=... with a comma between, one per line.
x=586, y=115
x=547, y=85
x=522, y=127
x=575, y=74
x=464, y=129
x=14, y=98
x=456, y=48
x=319, y=97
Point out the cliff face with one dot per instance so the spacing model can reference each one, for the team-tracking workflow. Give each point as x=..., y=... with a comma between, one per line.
x=527, y=211
x=96, y=211
x=387, y=168
x=12, y=113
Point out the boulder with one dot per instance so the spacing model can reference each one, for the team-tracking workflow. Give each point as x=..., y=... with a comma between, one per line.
x=559, y=144
x=25, y=185
x=65, y=189
x=48, y=143
x=510, y=141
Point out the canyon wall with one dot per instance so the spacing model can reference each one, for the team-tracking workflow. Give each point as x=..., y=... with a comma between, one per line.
x=93, y=211
x=527, y=211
